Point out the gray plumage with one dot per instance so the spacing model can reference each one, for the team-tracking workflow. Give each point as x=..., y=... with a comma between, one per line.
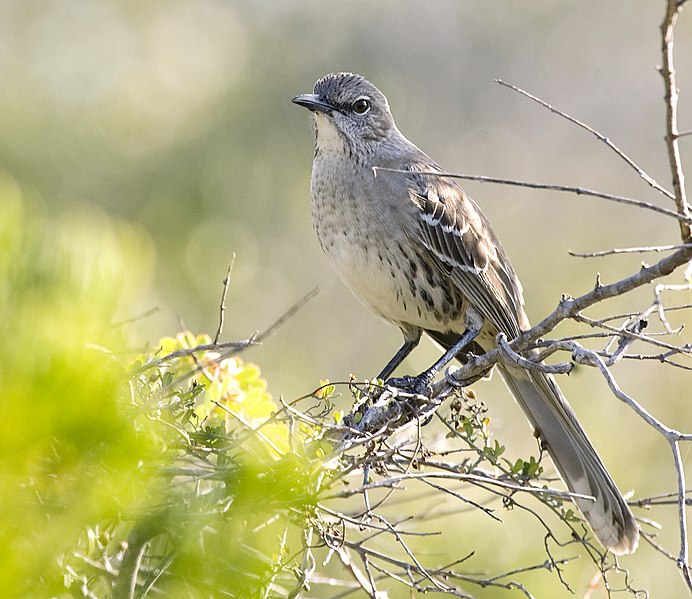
x=420, y=253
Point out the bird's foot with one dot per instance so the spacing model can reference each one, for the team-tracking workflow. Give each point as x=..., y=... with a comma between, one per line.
x=415, y=384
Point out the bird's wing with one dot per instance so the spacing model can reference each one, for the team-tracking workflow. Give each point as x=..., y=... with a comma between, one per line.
x=463, y=243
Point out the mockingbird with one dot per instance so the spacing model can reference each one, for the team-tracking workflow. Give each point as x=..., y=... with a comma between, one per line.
x=420, y=253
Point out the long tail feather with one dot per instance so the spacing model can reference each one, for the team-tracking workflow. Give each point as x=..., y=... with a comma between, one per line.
x=575, y=458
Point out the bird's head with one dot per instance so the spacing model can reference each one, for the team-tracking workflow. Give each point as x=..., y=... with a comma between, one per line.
x=349, y=112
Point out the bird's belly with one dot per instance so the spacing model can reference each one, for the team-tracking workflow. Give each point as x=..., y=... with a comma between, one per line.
x=397, y=287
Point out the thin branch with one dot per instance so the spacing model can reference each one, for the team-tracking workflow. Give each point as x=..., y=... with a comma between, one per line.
x=287, y=315
x=222, y=305
x=662, y=358
x=683, y=556
x=252, y=429
x=622, y=333
x=667, y=70
x=233, y=347
x=365, y=582
x=685, y=218
x=583, y=355
x=202, y=348
x=365, y=552
x=673, y=437
x=650, y=180
x=661, y=499
x=514, y=358
x=136, y=317
x=632, y=250
x=393, y=481
x=658, y=303
x=569, y=308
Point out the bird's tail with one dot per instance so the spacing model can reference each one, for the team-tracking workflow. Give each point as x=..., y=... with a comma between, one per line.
x=575, y=457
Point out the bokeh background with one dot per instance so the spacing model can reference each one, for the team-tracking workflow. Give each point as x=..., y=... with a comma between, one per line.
x=172, y=121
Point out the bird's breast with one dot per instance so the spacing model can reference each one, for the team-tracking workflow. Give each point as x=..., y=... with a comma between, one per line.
x=375, y=257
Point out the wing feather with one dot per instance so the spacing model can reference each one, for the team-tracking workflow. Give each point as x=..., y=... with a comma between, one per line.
x=454, y=230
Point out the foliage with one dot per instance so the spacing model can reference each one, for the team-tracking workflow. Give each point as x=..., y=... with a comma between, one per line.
x=121, y=477
x=222, y=490
x=68, y=454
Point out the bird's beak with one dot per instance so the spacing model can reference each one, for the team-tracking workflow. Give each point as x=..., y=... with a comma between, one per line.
x=314, y=103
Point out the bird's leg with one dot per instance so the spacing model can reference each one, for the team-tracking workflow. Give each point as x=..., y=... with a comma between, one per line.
x=420, y=383
x=411, y=340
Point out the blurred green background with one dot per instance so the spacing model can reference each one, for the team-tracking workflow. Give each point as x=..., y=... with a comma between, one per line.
x=168, y=125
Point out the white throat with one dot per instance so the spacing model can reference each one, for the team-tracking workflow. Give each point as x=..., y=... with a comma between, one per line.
x=328, y=137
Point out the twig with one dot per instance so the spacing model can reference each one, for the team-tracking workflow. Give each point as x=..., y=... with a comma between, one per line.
x=136, y=317
x=684, y=218
x=465, y=477
x=632, y=250
x=622, y=333
x=667, y=70
x=412, y=557
x=361, y=524
x=233, y=347
x=683, y=556
x=407, y=567
x=650, y=180
x=307, y=566
x=222, y=305
x=658, y=303
x=486, y=510
x=202, y=348
x=662, y=499
x=365, y=582
x=287, y=315
x=512, y=357
x=252, y=429
x=569, y=308
x=585, y=356
x=672, y=436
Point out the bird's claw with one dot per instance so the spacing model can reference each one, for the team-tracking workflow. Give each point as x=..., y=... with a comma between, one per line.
x=419, y=385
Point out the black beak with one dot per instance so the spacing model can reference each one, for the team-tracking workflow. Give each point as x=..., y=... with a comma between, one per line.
x=312, y=102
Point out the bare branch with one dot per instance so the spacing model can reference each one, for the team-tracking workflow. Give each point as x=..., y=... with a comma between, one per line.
x=650, y=180
x=673, y=8
x=287, y=315
x=569, y=307
x=222, y=305
x=231, y=348
x=684, y=218
x=136, y=317
x=683, y=556
x=206, y=347
x=632, y=250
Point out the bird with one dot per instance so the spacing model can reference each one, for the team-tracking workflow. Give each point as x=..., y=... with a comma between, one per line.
x=419, y=253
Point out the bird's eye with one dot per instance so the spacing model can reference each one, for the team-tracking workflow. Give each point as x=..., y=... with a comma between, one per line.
x=361, y=106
